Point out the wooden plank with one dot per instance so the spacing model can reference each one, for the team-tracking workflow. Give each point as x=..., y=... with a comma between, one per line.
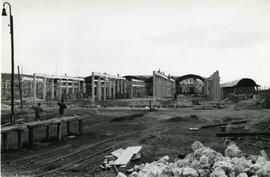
x=224, y=124
x=224, y=134
x=43, y=123
x=127, y=154
x=12, y=128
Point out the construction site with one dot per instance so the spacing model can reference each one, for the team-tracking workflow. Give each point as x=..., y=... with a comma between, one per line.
x=108, y=117
x=135, y=88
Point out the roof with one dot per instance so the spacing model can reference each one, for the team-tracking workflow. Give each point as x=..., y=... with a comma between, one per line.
x=244, y=82
x=187, y=76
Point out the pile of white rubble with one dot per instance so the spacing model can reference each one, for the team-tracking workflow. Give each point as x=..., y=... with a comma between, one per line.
x=205, y=162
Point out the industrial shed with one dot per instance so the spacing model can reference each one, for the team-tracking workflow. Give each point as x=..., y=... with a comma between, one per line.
x=244, y=87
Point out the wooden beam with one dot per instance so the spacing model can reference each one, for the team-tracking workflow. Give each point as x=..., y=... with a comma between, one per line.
x=19, y=138
x=224, y=124
x=68, y=128
x=59, y=131
x=222, y=134
x=30, y=136
x=4, y=138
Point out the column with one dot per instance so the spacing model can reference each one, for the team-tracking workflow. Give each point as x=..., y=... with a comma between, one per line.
x=60, y=89
x=131, y=89
x=154, y=86
x=67, y=90
x=104, y=89
x=93, y=87
x=52, y=89
x=99, y=89
x=79, y=89
x=121, y=86
x=84, y=88
x=110, y=87
x=113, y=88
x=44, y=88
x=34, y=88
x=117, y=87
x=73, y=88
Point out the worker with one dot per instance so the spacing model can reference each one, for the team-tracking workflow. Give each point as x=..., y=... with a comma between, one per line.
x=38, y=110
x=62, y=107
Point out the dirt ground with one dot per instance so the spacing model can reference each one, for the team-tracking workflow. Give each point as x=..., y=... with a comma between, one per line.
x=162, y=132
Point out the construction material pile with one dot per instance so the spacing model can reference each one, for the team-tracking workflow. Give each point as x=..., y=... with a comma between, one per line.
x=205, y=162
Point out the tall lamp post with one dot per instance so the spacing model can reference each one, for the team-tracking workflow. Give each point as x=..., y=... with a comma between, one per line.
x=4, y=13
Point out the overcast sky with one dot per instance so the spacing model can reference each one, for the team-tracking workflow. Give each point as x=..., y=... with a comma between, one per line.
x=138, y=36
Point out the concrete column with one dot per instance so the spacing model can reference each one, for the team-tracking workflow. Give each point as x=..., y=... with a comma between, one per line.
x=67, y=90
x=73, y=88
x=131, y=89
x=110, y=87
x=93, y=87
x=154, y=86
x=113, y=88
x=104, y=89
x=52, y=89
x=84, y=87
x=117, y=86
x=34, y=88
x=44, y=88
x=121, y=85
x=99, y=89
x=60, y=89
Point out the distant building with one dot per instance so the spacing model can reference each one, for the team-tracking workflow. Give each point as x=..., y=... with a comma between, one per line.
x=244, y=88
x=43, y=86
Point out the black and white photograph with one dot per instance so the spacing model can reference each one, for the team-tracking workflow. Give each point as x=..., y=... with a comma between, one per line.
x=135, y=88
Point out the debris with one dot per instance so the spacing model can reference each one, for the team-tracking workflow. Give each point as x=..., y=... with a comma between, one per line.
x=121, y=175
x=127, y=154
x=193, y=129
x=71, y=136
x=164, y=159
x=189, y=172
x=121, y=157
x=206, y=162
x=263, y=153
x=117, y=152
x=232, y=151
x=196, y=145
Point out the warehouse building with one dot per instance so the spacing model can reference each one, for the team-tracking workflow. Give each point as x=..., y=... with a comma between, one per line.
x=244, y=88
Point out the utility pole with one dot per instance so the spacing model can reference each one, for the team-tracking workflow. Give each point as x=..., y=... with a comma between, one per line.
x=12, y=119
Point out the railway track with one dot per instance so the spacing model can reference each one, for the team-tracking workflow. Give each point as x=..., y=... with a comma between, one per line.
x=69, y=158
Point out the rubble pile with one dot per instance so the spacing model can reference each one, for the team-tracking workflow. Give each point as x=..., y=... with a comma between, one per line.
x=206, y=162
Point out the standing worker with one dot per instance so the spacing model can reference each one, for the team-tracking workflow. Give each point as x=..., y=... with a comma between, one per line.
x=62, y=107
x=38, y=110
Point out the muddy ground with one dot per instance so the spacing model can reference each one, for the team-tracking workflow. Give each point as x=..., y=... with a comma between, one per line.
x=162, y=132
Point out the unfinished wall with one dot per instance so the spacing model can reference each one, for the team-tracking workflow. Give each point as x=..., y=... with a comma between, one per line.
x=163, y=86
x=212, y=86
